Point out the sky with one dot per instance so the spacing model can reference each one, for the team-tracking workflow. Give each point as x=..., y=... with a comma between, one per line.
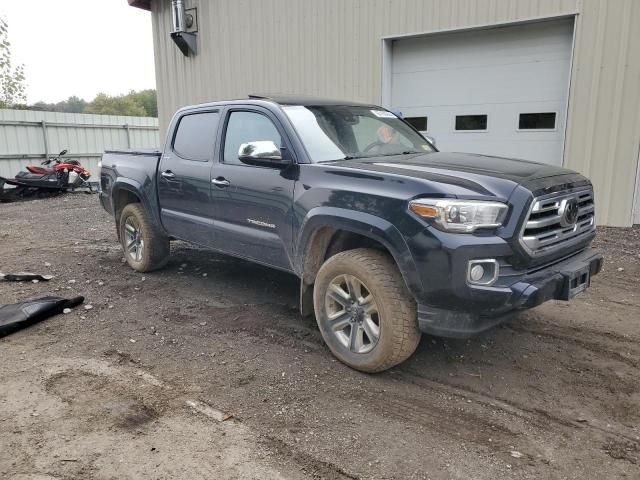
x=80, y=47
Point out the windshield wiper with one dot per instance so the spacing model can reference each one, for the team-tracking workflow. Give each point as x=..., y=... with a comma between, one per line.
x=408, y=152
x=358, y=157
x=346, y=157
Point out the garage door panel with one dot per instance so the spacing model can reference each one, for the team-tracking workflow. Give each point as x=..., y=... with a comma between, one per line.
x=502, y=138
x=545, y=151
x=545, y=40
x=499, y=84
x=500, y=115
x=538, y=150
x=500, y=73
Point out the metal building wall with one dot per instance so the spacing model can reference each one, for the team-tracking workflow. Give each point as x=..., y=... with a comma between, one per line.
x=333, y=48
x=22, y=137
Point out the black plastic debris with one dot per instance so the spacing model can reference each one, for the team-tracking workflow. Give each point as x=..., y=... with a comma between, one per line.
x=24, y=277
x=16, y=316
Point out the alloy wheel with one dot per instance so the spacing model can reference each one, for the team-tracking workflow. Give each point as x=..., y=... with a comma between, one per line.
x=352, y=313
x=134, y=243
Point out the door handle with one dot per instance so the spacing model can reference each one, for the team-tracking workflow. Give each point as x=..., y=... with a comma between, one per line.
x=168, y=174
x=220, y=182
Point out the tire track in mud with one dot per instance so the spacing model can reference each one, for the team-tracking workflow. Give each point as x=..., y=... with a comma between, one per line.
x=539, y=322
x=276, y=326
x=537, y=417
x=459, y=422
x=272, y=321
x=308, y=463
x=255, y=322
x=622, y=283
x=592, y=346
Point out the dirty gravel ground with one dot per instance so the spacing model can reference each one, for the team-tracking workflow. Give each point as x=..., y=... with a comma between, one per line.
x=102, y=393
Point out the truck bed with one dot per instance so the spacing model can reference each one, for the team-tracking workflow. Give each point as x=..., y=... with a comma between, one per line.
x=146, y=152
x=131, y=170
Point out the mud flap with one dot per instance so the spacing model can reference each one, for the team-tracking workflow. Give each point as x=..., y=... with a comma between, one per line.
x=306, y=299
x=16, y=316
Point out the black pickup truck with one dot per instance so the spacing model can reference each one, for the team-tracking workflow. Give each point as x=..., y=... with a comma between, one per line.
x=389, y=237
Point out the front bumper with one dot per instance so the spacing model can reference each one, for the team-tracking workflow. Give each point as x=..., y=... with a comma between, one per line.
x=560, y=281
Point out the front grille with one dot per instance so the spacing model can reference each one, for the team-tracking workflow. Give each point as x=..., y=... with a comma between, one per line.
x=550, y=224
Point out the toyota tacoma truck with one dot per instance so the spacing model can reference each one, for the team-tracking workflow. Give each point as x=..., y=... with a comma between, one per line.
x=388, y=236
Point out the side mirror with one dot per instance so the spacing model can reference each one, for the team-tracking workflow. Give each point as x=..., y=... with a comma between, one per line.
x=262, y=153
x=432, y=140
x=63, y=152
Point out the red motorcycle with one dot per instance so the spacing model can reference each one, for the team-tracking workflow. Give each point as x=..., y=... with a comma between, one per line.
x=55, y=176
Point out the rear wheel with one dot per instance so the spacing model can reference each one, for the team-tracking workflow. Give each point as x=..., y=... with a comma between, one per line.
x=364, y=311
x=145, y=248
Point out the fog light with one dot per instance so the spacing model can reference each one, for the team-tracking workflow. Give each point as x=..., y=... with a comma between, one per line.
x=477, y=272
x=482, y=272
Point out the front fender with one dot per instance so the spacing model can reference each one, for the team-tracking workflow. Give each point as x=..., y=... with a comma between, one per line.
x=364, y=224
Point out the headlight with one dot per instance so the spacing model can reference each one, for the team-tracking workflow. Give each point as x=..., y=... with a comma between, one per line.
x=460, y=215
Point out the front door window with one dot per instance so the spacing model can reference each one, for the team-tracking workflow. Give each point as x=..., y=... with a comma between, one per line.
x=246, y=127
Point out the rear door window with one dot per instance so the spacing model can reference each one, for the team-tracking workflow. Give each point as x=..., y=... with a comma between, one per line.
x=195, y=136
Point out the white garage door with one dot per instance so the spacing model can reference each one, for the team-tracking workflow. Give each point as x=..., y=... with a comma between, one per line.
x=501, y=91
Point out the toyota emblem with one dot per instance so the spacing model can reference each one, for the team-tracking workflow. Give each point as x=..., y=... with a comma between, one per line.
x=569, y=213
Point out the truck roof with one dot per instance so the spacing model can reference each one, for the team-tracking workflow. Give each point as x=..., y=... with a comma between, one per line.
x=279, y=99
x=285, y=99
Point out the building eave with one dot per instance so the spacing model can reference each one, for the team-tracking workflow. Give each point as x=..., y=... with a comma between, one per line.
x=143, y=4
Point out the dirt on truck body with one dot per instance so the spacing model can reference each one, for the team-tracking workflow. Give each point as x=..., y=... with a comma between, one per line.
x=207, y=370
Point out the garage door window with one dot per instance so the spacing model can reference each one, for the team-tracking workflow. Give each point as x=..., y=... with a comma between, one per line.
x=471, y=122
x=537, y=121
x=419, y=123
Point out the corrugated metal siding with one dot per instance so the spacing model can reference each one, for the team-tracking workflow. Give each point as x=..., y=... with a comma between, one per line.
x=333, y=48
x=603, y=134
x=86, y=143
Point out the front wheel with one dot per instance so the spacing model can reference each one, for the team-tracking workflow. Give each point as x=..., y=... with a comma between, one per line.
x=364, y=311
x=145, y=248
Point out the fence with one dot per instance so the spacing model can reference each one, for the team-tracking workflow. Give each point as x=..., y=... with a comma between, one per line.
x=28, y=137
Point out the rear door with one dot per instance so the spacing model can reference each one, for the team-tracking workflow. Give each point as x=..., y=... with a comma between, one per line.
x=253, y=204
x=184, y=178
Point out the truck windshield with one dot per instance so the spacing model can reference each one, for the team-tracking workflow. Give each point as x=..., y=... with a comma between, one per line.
x=338, y=132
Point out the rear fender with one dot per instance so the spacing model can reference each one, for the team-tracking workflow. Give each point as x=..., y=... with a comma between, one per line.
x=134, y=187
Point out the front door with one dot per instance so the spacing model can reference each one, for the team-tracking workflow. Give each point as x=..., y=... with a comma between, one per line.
x=184, y=179
x=253, y=204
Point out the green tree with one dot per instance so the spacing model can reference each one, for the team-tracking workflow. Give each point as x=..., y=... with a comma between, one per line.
x=12, y=86
x=140, y=104
x=43, y=106
x=105, y=104
x=148, y=99
x=72, y=104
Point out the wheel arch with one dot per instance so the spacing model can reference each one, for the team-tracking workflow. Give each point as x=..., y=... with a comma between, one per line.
x=328, y=230
x=126, y=191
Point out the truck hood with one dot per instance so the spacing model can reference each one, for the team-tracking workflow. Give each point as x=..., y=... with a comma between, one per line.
x=464, y=173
